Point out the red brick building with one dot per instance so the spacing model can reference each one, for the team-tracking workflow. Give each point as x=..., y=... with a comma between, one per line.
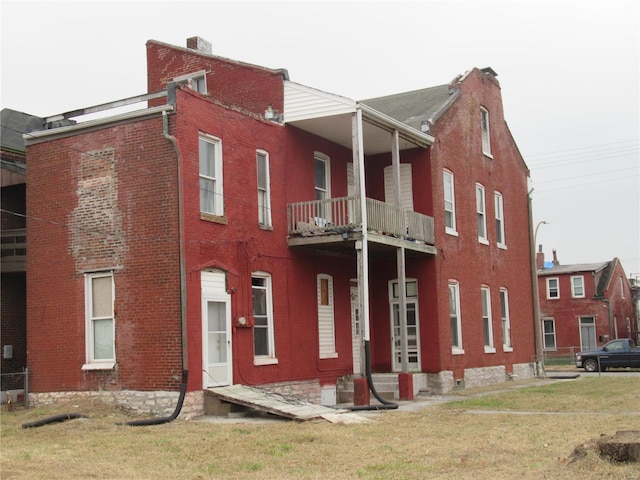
x=583, y=306
x=250, y=230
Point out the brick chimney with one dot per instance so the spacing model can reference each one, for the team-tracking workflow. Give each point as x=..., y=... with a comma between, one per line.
x=200, y=45
x=555, y=258
x=540, y=258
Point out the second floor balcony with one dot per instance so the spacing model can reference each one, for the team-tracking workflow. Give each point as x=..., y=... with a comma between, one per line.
x=336, y=222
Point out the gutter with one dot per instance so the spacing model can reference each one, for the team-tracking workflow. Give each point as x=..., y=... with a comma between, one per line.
x=388, y=123
x=43, y=135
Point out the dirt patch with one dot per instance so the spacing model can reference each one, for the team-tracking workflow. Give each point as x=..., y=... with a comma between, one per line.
x=623, y=447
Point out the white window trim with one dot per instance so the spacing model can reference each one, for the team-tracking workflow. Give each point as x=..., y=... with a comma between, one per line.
x=270, y=358
x=450, y=230
x=267, y=190
x=332, y=353
x=544, y=335
x=90, y=362
x=486, y=134
x=557, y=279
x=219, y=180
x=622, y=295
x=498, y=201
x=188, y=80
x=505, y=321
x=573, y=289
x=455, y=285
x=486, y=292
x=481, y=210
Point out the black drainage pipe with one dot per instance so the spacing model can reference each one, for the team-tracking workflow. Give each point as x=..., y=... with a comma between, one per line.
x=170, y=418
x=63, y=417
x=386, y=404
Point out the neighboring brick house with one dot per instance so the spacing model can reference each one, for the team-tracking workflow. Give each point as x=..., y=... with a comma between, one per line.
x=13, y=289
x=583, y=306
x=250, y=230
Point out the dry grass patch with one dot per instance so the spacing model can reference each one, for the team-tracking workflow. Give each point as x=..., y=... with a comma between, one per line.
x=443, y=442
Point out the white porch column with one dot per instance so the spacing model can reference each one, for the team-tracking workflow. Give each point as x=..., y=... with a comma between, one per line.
x=402, y=277
x=362, y=247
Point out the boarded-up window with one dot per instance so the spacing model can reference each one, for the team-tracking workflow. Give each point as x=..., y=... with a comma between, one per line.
x=326, y=322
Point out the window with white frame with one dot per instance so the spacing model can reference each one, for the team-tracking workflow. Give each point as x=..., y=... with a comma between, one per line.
x=553, y=288
x=481, y=214
x=211, y=191
x=263, y=334
x=577, y=286
x=326, y=321
x=264, y=189
x=455, y=319
x=487, y=326
x=506, y=322
x=622, y=287
x=549, y=329
x=449, y=203
x=322, y=179
x=100, y=320
x=486, y=134
x=499, y=212
x=196, y=81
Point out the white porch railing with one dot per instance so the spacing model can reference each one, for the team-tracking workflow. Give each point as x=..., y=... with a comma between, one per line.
x=342, y=214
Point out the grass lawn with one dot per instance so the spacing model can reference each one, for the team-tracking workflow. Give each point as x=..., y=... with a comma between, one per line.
x=474, y=438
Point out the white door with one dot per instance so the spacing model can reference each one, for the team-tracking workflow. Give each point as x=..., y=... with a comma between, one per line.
x=356, y=331
x=216, y=331
x=406, y=186
x=412, y=331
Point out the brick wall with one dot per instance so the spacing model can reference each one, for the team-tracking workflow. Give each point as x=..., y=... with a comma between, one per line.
x=462, y=258
x=104, y=200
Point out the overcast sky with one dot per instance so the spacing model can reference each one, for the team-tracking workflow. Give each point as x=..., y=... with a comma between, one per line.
x=569, y=73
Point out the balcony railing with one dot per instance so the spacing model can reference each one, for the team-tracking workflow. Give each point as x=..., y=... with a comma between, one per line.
x=13, y=250
x=336, y=215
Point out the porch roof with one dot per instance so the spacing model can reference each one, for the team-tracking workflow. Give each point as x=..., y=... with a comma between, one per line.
x=329, y=116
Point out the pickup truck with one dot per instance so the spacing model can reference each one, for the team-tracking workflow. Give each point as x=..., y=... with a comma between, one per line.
x=618, y=353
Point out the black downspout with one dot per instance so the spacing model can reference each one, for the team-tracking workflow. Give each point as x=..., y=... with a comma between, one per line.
x=183, y=286
x=386, y=405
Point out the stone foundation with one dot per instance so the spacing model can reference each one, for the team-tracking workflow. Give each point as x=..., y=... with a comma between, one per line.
x=158, y=403
x=306, y=390
x=443, y=382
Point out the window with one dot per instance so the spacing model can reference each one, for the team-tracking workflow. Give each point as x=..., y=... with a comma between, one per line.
x=482, y=219
x=100, y=321
x=506, y=323
x=487, y=326
x=577, y=286
x=549, y=327
x=553, y=288
x=322, y=185
x=622, y=287
x=454, y=316
x=264, y=189
x=211, y=194
x=326, y=324
x=499, y=210
x=449, y=203
x=486, y=135
x=263, y=338
x=195, y=81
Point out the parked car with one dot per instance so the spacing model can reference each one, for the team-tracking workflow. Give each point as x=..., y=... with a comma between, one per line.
x=621, y=352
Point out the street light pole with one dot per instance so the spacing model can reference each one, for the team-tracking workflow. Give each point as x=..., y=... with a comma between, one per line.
x=540, y=339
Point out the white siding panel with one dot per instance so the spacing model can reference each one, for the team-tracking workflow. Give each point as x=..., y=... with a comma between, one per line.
x=303, y=103
x=326, y=323
x=213, y=282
